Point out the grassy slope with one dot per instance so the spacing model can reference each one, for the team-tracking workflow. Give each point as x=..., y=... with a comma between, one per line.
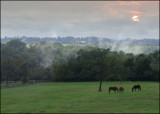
x=80, y=97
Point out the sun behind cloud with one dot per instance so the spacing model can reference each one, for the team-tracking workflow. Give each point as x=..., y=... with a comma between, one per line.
x=135, y=18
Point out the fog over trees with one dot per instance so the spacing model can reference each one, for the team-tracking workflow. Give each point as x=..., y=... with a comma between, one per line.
x=59, y=62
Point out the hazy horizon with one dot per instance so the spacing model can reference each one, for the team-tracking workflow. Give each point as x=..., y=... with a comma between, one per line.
x=75, y=37
x=105, y=19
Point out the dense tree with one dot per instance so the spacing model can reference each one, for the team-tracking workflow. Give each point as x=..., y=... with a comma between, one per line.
x=154, y=58
x=129, y=66
x=16, y=44
x=55, y=62
x=142, y=68
x=24, y=73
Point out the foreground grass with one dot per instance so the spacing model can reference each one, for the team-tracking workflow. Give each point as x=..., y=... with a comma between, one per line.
x=80, y=97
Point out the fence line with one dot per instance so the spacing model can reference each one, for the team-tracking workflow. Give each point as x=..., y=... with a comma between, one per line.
x=12, y=85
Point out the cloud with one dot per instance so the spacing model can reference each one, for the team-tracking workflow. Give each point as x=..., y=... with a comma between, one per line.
x=80, y=18
x=135, y=12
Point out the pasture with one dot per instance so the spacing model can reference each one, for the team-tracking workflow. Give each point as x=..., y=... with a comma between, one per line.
x=80, y=97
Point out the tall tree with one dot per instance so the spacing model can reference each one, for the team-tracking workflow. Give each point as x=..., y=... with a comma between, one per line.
x=24, y=72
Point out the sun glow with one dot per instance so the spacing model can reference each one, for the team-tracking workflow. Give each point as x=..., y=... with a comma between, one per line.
x=135, y=18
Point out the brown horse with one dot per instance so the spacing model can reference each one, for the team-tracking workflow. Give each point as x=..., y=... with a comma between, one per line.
x=136, y=87
x=113, y=89
x=121, y=89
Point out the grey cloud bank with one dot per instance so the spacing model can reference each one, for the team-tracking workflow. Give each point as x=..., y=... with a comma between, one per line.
x=80, y=19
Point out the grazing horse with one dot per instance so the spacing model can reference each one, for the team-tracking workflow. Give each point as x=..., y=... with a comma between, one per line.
x=121, y=89
x=113, y=88
x=136, y=87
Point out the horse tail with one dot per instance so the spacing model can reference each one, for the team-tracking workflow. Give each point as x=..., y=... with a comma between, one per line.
x=140, y=87
x=132, y=89
x=109, y=90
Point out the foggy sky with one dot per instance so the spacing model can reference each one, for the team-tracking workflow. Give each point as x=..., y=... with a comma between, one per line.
x=110, y=19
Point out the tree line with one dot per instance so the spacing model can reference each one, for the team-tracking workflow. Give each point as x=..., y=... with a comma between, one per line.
x=19, y=62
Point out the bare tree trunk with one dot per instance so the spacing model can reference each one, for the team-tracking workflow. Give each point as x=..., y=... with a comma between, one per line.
x=7, y=74
x=100, y=86
x=7, y=81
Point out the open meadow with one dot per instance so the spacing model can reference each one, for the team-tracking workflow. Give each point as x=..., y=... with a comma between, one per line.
x=80, y=97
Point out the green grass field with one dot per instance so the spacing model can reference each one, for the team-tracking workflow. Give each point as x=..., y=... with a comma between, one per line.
x=74, y=97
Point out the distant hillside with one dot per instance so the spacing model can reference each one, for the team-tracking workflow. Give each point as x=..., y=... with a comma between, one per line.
x=86, y=40
x=141, y=42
